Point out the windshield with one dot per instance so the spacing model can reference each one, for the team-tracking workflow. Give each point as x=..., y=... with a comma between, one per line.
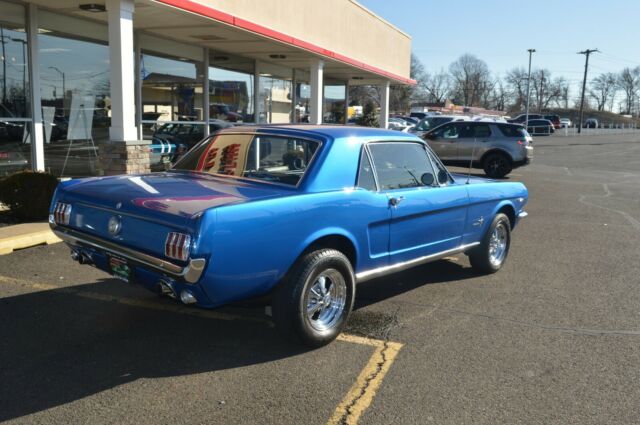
x=428, y=123
x=275, y=159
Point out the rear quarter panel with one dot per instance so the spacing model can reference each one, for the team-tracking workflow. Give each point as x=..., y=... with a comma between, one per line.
x=253, y=245
x=486, y=199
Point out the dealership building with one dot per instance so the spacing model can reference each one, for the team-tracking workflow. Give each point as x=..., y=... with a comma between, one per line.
x=86, y=84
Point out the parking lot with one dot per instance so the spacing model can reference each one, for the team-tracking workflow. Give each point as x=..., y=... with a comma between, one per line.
x=552, y=338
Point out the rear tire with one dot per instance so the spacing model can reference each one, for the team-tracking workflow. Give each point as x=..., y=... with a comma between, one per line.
x=312, y=304
x=492, y=252
x=497, y=165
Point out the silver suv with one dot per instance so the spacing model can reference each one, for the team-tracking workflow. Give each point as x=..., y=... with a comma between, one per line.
x=497, y=148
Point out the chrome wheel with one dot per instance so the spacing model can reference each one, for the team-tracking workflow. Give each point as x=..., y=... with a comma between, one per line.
x=325, y=300
x=498, y=244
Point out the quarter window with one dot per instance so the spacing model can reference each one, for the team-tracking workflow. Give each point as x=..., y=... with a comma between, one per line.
x=401, y=165
x=366, y=179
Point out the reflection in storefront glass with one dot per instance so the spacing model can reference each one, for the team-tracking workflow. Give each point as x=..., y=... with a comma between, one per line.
x=171, y=90
x=334, y=104
x=230, y=95
x=274, y=102
x=15, y=138
x=76, y=104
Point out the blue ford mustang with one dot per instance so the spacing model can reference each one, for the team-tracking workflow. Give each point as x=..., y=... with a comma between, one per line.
x=298, y=213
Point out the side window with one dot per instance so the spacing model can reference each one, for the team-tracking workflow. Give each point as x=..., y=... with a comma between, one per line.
x=441, y=175
x=366, y=180
x=401, y=165
x=466, y=130
x=449, y=131
x=482, y=130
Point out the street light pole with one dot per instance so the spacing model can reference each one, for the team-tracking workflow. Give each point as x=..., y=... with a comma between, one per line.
x=4, y=68
x=64, y=91
x=526, y=123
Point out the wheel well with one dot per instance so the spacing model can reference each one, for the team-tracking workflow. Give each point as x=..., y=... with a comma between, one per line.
x=498, y=151
x=337, y=242
x=509, y=212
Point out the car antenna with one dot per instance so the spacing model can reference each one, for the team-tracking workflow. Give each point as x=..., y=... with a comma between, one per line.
x=473, y=153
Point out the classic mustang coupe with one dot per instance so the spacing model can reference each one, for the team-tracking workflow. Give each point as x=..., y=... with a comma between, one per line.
x=299, y=214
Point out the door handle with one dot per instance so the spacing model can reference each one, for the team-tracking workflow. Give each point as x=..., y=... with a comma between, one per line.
x=394, y=201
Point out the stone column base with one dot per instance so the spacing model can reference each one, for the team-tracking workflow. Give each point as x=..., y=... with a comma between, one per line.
x=132, y=157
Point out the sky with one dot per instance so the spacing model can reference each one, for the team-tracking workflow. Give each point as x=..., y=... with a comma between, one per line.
x=500, y=32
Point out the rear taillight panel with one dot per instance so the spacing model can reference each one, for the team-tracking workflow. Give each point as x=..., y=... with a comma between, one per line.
x=62, y=213
x=177, y=246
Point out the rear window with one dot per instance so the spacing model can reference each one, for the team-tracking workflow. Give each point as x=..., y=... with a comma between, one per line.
x=512, y=130
x=269, y=158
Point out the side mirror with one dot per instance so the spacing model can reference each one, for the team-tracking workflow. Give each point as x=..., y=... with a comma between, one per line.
x=443, y=177
x=427, y=179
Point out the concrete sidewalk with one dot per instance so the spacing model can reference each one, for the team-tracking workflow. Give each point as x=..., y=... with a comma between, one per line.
x=24, y=236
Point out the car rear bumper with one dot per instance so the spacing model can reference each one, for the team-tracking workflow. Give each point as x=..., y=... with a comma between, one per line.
x=191, y=273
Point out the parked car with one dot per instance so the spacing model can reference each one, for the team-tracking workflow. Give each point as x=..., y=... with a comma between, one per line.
x=555, y=120
x=497, y=148
x=222, y=112
x=540, y=127
x=295, y=214
x=566, y=123
x=431, y=122
x=590, y=123
x=398, y=124
x=523, y=117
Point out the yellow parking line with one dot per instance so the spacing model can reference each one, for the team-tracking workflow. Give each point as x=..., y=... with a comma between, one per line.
x=352, y=406
x=361, y=394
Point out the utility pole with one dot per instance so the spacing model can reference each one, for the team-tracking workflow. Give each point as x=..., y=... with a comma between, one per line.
x=584, y=83
x=64, y=93
x=526, y=123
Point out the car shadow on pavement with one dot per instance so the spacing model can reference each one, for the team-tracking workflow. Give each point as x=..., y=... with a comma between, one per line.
x=383, y=288
x=58, y=346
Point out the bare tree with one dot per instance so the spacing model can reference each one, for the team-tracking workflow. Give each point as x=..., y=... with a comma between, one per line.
x=629, y=82
x=438, y=86
x=516, y=81
x=471, y=77
x=603, y=89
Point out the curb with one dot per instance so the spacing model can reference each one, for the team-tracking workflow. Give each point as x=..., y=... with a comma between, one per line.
x=24, y=236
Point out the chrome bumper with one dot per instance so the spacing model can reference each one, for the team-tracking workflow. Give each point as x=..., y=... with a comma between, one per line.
x=190, y=273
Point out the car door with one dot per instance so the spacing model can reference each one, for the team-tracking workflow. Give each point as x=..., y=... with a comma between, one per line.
x=426, y=217
x=443, y=141
x=473, y=137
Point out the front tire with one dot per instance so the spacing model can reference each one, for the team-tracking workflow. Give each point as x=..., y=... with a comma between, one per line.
x=497, y=165
x=492, y=252
x=313, y=302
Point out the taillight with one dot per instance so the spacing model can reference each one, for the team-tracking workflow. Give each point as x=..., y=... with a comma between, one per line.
x=62, y=213
x=177, y=246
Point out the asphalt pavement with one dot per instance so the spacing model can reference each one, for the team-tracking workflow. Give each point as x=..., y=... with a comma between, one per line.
x=554, y=337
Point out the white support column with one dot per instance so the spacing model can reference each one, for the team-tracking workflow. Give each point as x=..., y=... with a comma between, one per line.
x=346, y=102
x=120, y=20
x=316, y=81
x=294, y=97
x=256, y=91
x=384, y=105
x=206, y=110
x=37, y=135
x=138, y=84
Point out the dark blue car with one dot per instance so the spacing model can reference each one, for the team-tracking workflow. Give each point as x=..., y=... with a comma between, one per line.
x=300, y=214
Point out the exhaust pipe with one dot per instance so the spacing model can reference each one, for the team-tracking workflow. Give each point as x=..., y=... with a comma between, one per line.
x=187, y=297
x=165, y=288
x=81, y=257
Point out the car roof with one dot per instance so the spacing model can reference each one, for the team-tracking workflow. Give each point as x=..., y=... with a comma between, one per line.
x=332, y=131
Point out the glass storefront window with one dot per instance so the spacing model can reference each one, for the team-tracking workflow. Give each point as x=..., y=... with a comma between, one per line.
x=171, y=90
x=230, y=95
x=76, y=106
x=334, y=104
x=274, y=101
x=303, y=98
x=15, y=125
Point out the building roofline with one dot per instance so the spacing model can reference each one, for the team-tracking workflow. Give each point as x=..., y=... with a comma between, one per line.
x=234, y=21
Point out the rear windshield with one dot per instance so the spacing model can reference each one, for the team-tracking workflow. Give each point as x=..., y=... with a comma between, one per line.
x=276, y=159
x=512, y=130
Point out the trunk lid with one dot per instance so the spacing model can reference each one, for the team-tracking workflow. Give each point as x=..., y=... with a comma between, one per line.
x=150, y=206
